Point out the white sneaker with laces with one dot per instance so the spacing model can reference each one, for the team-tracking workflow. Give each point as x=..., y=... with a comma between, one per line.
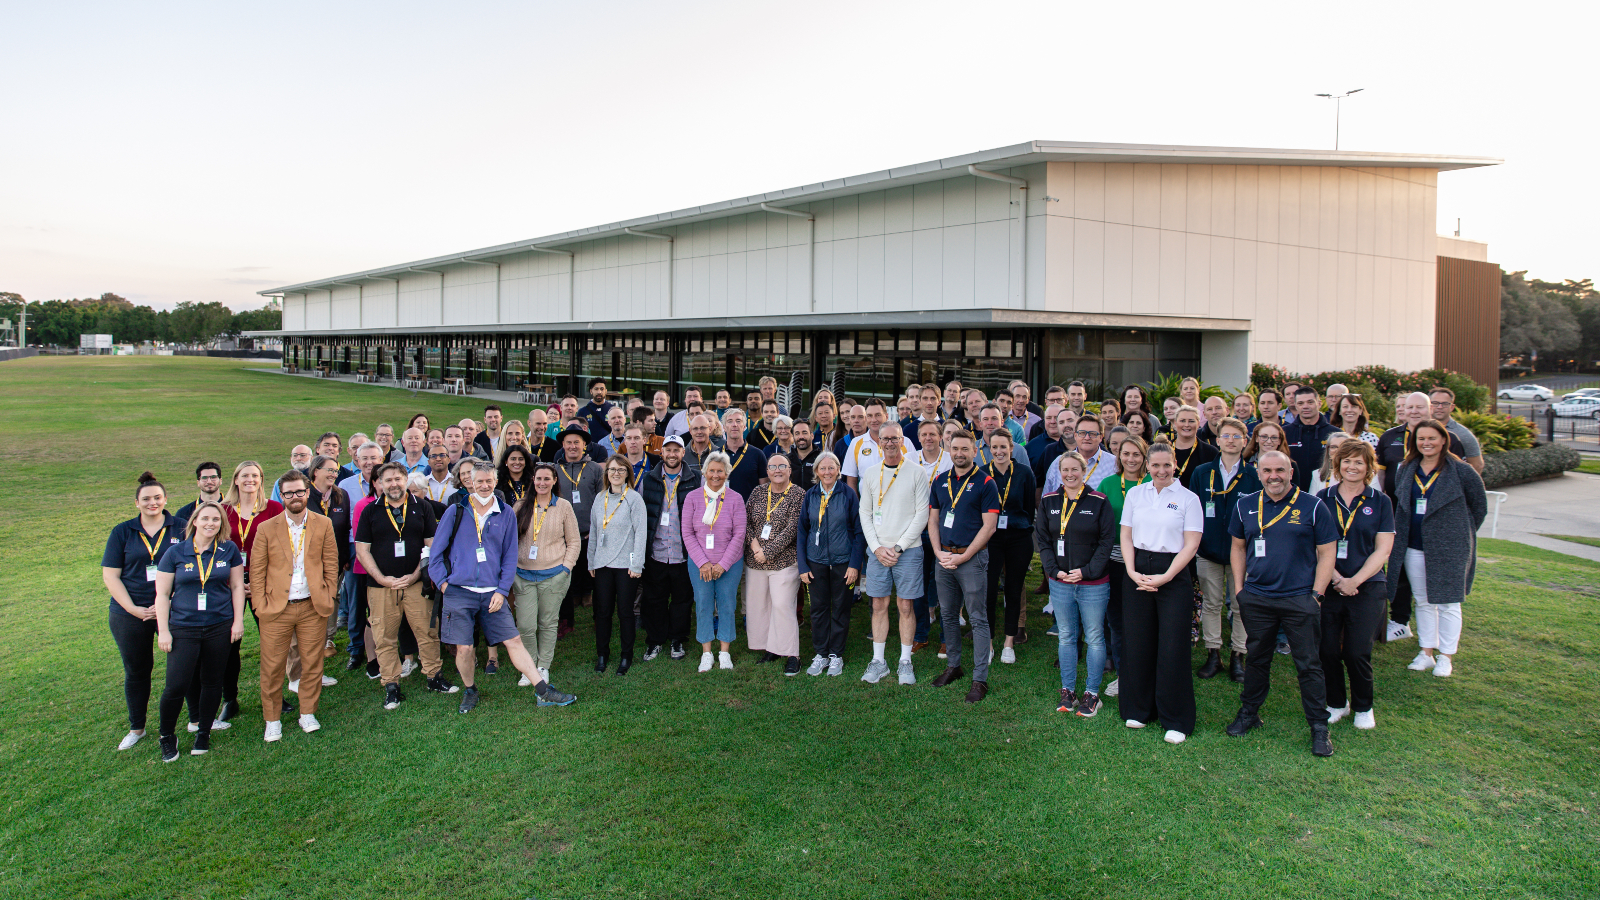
x=819, y=664
x=707, y=661
x=133, y=737
x=544, y=674
x=1398, y=631
x=1443, y=668
x=194, y=727
x=1423, y=663
x=1111, y=689
x=724, y=660
x=1175, y=737
x=274, y=732
x=835, y=666
x=330, y=681
x=524, y=682
x=1134, y=723
x=218, y=725
x=309, y=723
x=907, y=673
x=406, y=668
x=875, y=671
x=1008, y=655
x=1335, y=715
x=1365, y=721
x=294, y=686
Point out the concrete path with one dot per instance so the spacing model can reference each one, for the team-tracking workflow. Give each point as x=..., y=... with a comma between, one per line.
x=1566, y=505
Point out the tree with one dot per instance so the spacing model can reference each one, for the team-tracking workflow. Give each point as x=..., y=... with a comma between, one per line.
x=267, y=318
x=1534, y=321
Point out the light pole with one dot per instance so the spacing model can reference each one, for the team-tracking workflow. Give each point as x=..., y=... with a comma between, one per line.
x=1338, y=100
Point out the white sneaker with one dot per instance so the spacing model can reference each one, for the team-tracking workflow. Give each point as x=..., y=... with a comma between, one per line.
x=875, y=671
x=274, y=732
x=330, y=681
x=218, y=725
x=1049, y=610
x=907, y=673
x=1398, y=631
x=406, y=668
x=1008, y=655
x=194, y=727
x=133, y=737
x=1335, y=715
x=835, y=666
x=1175, y=737
x=724, y=660
x=1423, y=663
x=1365, y=722
x=1111, y=689
x=707, y=661
x=1134, y=723
x=819, y=664
x=1443, y=668
x=524, y=682
x=544, y=674
x=309, y=723
x=294, y=686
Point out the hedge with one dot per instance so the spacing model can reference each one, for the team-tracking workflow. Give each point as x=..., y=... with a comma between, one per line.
x=1519, y=466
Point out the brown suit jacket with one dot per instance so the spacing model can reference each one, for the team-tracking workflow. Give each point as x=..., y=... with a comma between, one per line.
x=272, y=565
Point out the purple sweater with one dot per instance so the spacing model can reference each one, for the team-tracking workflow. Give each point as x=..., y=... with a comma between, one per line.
x=728, y=529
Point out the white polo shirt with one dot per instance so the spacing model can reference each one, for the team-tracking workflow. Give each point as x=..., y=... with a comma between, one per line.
x=1159, y=519
x=936, y=468
x=862, y=454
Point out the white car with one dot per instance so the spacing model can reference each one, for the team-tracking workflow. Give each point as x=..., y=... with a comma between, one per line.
x=1581, y=392
x=1587, y=407
x=1527, y=392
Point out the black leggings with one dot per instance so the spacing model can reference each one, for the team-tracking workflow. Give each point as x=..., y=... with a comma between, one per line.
x=135, y=642
x=1010, y=551
x=611, y=588
x=198, y=659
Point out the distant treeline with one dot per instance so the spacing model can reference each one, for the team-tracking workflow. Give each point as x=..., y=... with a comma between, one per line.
x=60, y=322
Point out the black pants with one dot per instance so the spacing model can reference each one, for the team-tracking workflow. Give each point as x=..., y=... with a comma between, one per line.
x=611, y=588
x=1155, y=681
x=668, y=602
x=1010, y=550
x=830, y=609
x=1301, y=620
x=1347, y=627
x=1114, y=618
x=1400, y=606
x=198, y=658
x=135, y=643
x=581, y=583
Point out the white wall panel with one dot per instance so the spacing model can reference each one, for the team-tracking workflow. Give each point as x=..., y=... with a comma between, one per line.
x=345, y=308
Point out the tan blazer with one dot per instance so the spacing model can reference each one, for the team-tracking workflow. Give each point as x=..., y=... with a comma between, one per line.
x=272, y=565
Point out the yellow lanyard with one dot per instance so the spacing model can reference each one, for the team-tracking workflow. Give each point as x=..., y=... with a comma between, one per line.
x=1010, y=477
x=1090, y=473
x=1261, y=504
x=399, y=527
x=1431, y=479
x=443, y=491
x=950, y=485
x=476, y=522
x=671, y=482
x=1338, y=509
x=1186, y=460
x=883, y=489
x=574, y=484
x=739, y=459
x=606, y=515
x=147, y=545
x=718, y=514
x=294, y=543
x=1231, y=485
x=1066, y=511
x=783, y=496
x=205, y=570
x=539, y=513
x=244, y=528
x=325, y=498
x=636, y=474
x=822, y=512
x=519, y=491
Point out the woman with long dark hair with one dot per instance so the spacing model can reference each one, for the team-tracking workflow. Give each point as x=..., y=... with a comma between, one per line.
x=548, y=545
x=515, y=480
x=1134, y=399
x=1138, y=424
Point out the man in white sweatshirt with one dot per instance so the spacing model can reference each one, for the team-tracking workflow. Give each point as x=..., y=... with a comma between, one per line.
x=894, y=512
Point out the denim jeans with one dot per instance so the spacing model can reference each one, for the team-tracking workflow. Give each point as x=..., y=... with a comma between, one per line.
x=1075, y=603
x=347, y=608
x=720, y=597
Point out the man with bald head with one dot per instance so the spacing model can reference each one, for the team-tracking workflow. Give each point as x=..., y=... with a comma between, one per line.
x=414, y=444
x=469, y=438
x=700, y=444
x=299, y=458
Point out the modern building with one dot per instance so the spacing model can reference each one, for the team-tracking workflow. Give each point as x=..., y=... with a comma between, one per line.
x=1046, y=261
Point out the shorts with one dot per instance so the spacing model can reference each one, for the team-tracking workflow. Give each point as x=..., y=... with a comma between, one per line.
x=464, y=609
x=905, y=578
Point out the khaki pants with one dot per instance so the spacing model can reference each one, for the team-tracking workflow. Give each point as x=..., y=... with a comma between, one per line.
x=538, y=611
x=299, y=621
x=385, y=609
x=1216, y=589
x=770, y=598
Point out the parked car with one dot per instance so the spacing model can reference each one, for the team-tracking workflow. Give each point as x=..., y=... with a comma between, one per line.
x=1581, y=392
x=1587, y=407
x=1527, y=392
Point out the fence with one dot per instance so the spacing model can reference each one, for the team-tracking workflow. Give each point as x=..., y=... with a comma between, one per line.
x=1574, y=430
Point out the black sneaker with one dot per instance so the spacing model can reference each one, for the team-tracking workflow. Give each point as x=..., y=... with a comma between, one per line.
x=469, y=699
x=169, y=748
x=677, y=650
x=491, y=667
x=792, y=667
x=1069, y=701
x=651, y=652
x=1243, y=723
x=288, y=705
x=1088, y=704
x=441, y=685
x=1320, y=744
x=352, y=664
x=372, y=669
x=391, y=696
x=766, y=657
x=553, y=697
x=227, y=710
x=202, y=744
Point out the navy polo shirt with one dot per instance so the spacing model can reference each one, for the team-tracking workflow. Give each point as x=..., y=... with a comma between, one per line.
x=969, y=498
x=129, y=548
x=1360, y=523
x=185, y=567
x=749, y=467
x=1290, y=567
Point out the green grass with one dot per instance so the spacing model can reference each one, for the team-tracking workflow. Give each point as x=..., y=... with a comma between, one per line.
x=1589, y=466
x=1576, y=538
x=745, y=784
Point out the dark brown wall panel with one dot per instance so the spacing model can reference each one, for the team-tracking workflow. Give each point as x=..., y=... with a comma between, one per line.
x=1466, y=334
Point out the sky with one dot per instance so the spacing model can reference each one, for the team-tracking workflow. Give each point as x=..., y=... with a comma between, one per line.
x=199, y=152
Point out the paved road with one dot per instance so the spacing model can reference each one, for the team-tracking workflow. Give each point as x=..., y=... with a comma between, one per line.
x=1566, y=505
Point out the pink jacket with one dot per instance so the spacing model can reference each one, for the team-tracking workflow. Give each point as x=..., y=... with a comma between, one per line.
x=728, y=529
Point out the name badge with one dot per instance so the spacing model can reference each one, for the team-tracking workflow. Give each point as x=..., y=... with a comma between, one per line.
x=149, y=573
x=483, y=555
x=533, y=552
x=1211, y=509
x=711, y=542
x=425, y=552
x=1422, y=506
x=949, y=520
x=1343, y=551
x=766, y=531
x=819, y=537
x=877, y=517
x=1001, y=523
x=399, y=549
x=1061, y=548
x=200, y=601
x=630, y=560
x=1261, y=548
x=576, y=498
x=244, y=557
x=666, y=520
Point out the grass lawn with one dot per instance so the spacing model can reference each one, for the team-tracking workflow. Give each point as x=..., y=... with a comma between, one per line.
x=1576, y=538
x=1590, y=465
x=667, y=783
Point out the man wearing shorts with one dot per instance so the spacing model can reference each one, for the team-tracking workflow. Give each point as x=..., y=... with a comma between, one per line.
x=474, y=561
x=894, y=511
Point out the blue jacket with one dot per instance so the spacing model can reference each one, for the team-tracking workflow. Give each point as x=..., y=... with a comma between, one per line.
x=453, y=559
x=842, y=541
x=1215, y=544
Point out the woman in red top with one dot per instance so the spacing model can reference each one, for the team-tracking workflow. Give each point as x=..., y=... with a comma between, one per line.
x=249, y=505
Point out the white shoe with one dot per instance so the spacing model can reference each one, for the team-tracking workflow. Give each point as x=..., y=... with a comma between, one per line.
x=218, y=725
x=1008, y=655
x=724, y=660
x=1423, y=663
x=1134, y=723
x=1175, y=737
x=133, y=737
x=524, y=682
x=309, y=723
x=963, y=615
x=194, y=727
x=875, y=671
x=544, y=674
x=274, y=732
x=1111, y=689
x=819, y=664
x=707, y=661
x=1365, y=722
x=1049, y=610
x=1335, y=715
x=1398, y=631
x=835, y=666
x=1443, y=668
x=330, y=681
x=294, y=686
x=406, y=668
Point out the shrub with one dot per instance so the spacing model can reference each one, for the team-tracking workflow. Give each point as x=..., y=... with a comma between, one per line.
x=1470, y=395
x=1499, y=433
x=1167, y=386
x=1518, y=466
x=1265, y=376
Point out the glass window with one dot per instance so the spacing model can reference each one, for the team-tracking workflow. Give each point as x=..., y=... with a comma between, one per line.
x=846, y=344
x=975, y=345
x=1000, y=343
x=927, y=341
x=516, y=373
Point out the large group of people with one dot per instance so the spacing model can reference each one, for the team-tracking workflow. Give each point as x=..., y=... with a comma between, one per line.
x=1281, y=507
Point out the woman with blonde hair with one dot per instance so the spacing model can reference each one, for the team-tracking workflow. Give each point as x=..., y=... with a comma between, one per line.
x=247, y=505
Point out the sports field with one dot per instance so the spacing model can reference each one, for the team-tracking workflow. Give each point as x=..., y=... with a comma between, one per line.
x=668, y=783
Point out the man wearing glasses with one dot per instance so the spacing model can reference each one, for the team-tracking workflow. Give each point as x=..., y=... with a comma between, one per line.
x=1441, y=403
x=1098, y=463
x=894, y=511
x=208, y=478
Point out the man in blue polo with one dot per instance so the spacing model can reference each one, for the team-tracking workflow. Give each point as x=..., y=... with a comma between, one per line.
x=963, y=512
x=1307, y=434
x=474, y=562
x=594, y=412
x=1283, y=554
